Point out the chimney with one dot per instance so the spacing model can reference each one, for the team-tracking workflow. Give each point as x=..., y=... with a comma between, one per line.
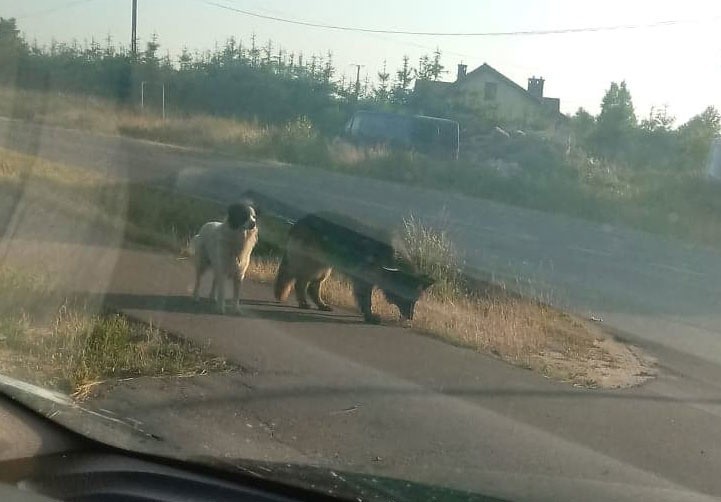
x=461, y=71
x=535, y=87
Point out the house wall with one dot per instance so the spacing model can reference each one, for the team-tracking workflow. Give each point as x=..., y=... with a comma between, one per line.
x=510, y=102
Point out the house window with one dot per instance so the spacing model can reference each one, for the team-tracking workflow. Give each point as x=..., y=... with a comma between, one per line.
x=490, y=91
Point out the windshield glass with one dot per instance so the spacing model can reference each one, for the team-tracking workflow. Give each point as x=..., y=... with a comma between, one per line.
x=471, y=245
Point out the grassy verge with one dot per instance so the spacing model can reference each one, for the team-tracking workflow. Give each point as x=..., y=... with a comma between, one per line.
x=488, y=318
x=521, y=331
x=78, y=348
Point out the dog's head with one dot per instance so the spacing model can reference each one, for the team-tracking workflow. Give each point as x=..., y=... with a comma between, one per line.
x=404, y=288
x=242, y=216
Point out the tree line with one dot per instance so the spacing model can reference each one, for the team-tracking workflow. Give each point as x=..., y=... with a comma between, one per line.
x=653, y=142
x=241, y=78
x=260, y=80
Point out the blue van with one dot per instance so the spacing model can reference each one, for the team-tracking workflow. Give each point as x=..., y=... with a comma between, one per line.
x=433, y=136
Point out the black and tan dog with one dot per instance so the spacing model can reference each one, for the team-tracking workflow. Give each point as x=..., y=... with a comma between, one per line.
x=225, y=247
x=317, y=243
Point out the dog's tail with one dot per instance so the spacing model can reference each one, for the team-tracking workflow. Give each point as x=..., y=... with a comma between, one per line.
x=284, y=281
x=190, y=249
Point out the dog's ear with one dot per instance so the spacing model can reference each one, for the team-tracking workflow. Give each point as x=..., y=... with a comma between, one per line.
x=425, y=281
x=238, y=214
x=250, y=202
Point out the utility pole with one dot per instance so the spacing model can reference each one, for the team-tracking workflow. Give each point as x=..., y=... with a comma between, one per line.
x=357, y=79
x=134, y=31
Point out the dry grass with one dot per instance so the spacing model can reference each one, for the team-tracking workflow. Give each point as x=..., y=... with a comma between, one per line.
x=345, y=154
x=61, y=109
x=433, y=253
x=522, y=332
x=77, y=349
x=99, y=115
x=296, y=141
x=198, y=130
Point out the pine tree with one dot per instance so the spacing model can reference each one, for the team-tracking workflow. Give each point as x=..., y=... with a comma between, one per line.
x=404, y=77
x=185, y=60
x=328, y=69
x=150, y=56
x=381, y=92
x=254, y=53
x=423, y=71
x=615, y=123
x=436, y=68
x=268, y=53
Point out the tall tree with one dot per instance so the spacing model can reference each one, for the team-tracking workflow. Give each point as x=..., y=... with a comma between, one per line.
x=268, y=53
x=404, y=78
x=658, y=120
x=10, y=34
x=382, y=90
x=436, y=68
x=616, y=122
x=150, y=55
x=230, y=51
x=254, y=53
x=424, y=71
x=697, y=134
x=185, y=60
x=109, y=47
x=582, y=125
x=328, y=69
x=12, y=48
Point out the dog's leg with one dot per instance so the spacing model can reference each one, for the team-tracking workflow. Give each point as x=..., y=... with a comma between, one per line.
x=200, y=267
x=314, y=292
x=196, y=288
x=301, y=286
x=213, y=296
x=363, y=292
x=219, y=280
x=237, y=282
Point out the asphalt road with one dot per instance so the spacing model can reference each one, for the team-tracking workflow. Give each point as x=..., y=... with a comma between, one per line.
x=432, y=407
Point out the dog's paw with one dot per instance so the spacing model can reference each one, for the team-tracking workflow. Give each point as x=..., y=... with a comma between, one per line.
x=304, y=306
x=325, y=308
x=373, y=319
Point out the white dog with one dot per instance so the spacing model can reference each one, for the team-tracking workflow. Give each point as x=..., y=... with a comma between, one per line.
x=225, y=247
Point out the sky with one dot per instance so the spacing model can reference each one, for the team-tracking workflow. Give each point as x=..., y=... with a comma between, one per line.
x=676, y=63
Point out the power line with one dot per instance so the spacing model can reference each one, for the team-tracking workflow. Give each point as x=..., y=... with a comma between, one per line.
x=558, y=31
x=53, y=9
x=379, y=37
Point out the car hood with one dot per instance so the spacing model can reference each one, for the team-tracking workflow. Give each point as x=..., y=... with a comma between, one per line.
x=98, y=425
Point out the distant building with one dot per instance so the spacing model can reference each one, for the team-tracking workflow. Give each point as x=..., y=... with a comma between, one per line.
x=487, y=88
